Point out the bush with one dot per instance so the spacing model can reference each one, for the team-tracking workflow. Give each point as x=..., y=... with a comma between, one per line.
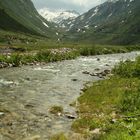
x=128, y=69
x=15, y=59
x=43, y=56
x=130, y=101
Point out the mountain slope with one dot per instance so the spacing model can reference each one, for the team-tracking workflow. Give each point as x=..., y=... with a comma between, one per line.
x=21, y=16
x=114, y=22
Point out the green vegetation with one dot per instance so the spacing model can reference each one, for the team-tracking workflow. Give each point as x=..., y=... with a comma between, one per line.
x=25, y=49
x=18, y=59
x=24, y=19
x=56, y=110
x=128, y=69
x=112, y=106
x=60, y=136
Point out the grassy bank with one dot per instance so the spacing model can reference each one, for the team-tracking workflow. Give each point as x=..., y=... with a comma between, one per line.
x=19, y=59
x=28, y=54
x=110, y=109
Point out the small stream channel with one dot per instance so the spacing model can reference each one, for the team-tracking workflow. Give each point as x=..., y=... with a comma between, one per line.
x=28, y=92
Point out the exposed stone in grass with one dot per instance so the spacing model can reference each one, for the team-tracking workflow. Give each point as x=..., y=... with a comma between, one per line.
x=96, y=131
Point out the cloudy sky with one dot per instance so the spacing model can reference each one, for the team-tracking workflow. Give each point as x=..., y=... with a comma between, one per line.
x=78, y=5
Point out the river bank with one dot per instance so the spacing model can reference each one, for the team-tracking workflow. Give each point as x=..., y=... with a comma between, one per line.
x=109, y=109
x=29, y=93
x=15, y=57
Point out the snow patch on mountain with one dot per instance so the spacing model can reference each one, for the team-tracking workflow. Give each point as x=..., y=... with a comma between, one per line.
x=58, y=16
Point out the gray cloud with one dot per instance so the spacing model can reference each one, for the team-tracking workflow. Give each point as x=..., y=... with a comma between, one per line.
x=78, y=5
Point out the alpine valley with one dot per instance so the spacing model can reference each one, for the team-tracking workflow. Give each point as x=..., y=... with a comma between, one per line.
x=113, y=22
x=69, y=76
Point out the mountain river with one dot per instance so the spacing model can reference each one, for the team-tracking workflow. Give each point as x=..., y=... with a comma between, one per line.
x=27, y=93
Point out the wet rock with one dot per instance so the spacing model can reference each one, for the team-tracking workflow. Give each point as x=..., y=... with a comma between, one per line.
x=107, y=65
x=70, y=116
x=27, y=78
x=84, y=89
x=10, y=65
x=107, y=71
x=98, y=59
x=74, y=80
x=103, y=73
x=93, y=74
x=97, y=69
x=86, y=72
x=29, y=106
x=31, y=64
x=3, y=64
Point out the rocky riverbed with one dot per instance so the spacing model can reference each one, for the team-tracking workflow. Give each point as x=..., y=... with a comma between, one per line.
x=28, y=93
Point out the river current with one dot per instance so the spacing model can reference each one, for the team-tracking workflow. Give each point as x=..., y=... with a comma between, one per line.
x=27, y=93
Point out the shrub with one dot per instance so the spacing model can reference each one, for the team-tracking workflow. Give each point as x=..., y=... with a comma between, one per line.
x=42, y=56
x=128, y=68
x=130, y=101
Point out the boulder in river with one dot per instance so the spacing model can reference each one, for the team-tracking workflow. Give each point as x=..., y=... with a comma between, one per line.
x=93, y=74
x=75, y=79
x=97, y=69
x=70, y=116
x=86, y=72
x=107, y=71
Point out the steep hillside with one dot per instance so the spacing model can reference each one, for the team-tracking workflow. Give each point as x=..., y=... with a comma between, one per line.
x=21, y=16
x=114, y=22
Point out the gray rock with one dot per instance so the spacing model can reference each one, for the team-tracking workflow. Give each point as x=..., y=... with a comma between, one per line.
x=70, y=116
x=86, y=72
x=74, y=79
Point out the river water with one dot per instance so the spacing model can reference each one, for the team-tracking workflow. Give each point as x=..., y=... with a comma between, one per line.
x=27, y=93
